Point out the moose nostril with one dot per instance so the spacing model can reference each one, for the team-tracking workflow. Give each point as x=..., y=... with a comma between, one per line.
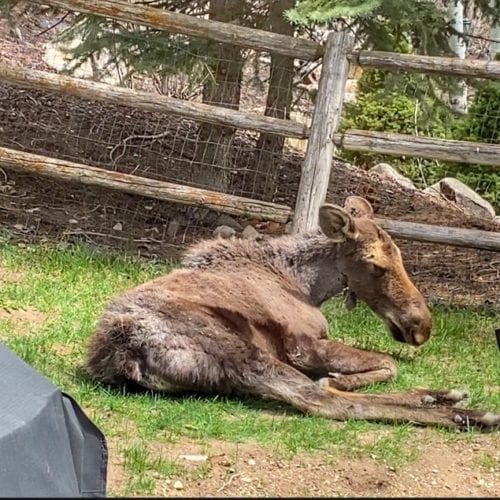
x=419, y=338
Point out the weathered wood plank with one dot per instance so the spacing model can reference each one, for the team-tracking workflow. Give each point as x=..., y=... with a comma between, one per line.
x=460, y=237
x=426, y=64
x=422, y=147
x=174, y=22
x=69, y=171
x=320, y=148
x=235, y=205
x=86, y=89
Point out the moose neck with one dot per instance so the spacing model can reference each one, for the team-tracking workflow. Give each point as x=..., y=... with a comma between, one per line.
x=312, y=259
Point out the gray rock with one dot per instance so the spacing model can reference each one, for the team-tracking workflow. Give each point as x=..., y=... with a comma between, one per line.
x=227, y=220
x=250, y=233
x=224, y=231
x=178, y=485
x=386, y=171
x=463, y=196
x=172, y=228
x=194, y=458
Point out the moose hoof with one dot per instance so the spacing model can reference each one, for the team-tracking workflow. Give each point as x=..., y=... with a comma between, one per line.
x=445, y=398
x=335, y=381
x=486, y=421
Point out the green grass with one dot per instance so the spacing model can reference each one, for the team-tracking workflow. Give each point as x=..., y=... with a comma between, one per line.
x=73, y=285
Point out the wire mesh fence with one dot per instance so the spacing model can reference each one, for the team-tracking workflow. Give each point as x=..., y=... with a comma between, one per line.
x=253, y=165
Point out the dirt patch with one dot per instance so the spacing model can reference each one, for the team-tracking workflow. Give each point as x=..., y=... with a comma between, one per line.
x=8, y=276
x=63, y=349
x=442, y=469
x=24, y=319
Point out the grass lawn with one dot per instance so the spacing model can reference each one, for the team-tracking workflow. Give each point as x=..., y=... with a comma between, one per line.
x=51, y=298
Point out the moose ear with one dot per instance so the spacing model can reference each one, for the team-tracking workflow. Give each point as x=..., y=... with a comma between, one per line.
x=358, y=207
x=336, y=223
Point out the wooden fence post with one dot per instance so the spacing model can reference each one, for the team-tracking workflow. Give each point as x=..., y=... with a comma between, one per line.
x=320, y=147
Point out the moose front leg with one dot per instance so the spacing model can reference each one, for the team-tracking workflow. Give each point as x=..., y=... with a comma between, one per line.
x=278, y=381
x=348, y=367
x=345, y=368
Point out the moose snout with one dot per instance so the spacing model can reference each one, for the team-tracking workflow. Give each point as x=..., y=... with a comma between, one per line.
x=416, y=324
x=421, y=330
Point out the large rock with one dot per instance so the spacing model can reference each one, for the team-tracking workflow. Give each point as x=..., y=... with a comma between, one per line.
x=250, y=233
x=386, y=171
x=224, y=232
x=463, y=196
x=227, y=220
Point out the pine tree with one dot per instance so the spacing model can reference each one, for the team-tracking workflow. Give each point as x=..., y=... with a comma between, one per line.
x=279, y=99
x=423, y=25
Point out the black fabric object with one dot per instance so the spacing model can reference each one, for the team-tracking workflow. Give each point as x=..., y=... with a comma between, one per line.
x=48, y=446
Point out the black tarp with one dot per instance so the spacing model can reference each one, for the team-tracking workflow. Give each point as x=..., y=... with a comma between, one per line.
x=48, y=447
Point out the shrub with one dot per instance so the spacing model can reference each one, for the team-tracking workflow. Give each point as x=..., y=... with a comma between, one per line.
x=379, y=107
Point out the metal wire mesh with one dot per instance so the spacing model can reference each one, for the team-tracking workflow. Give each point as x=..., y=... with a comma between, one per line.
x=187, y=152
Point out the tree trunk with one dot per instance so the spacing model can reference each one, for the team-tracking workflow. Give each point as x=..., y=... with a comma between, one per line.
x=278, y=102
x=458, y=99
x=214, y=146
x=495, y=35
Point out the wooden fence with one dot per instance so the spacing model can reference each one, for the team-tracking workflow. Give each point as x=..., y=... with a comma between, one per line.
x=322, y=136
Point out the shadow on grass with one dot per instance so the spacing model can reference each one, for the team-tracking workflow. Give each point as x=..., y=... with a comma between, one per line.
x=130, y=388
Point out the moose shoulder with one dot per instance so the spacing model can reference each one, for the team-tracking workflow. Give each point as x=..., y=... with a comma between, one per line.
x=243, y=317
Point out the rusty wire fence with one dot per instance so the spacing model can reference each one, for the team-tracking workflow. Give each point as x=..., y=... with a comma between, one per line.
x=253, y=165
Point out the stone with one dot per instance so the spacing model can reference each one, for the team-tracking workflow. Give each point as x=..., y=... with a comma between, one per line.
x=194, y=458
x=386, y=171
x=118, y=226
x=463, y=196
x=227, y=220
x=224, y=231
x=250, y=233
x=172, y=228
x=178, y=485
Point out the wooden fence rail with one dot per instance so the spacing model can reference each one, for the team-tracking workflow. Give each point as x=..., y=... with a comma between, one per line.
x=147, y=101
x=272, y=42
x=454, y=236
x=422, y=147
x=235, y=205
x=174, y=22
x=451, y=66
x=352, y=140
x=151, y=188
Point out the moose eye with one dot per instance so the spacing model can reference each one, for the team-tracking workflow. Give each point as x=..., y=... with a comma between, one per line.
x=378, y=270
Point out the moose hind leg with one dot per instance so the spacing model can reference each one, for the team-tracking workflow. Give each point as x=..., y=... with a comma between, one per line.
x=414, y=397
x=149, y=352
x=284, y=383
x=347, y=366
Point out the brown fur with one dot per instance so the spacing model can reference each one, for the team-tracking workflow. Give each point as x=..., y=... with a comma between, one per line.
x=243, y=317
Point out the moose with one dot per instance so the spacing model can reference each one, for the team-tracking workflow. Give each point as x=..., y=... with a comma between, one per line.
x=243, y=317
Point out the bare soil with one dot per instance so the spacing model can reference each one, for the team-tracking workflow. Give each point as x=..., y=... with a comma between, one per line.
x=440, y=469
x=8, y=276
x=23, y=318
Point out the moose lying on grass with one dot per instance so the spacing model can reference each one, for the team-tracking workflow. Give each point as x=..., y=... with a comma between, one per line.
x=243, y=317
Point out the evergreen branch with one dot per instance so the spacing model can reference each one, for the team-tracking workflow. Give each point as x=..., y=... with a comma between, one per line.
x=54, y=25
x=461, y=34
